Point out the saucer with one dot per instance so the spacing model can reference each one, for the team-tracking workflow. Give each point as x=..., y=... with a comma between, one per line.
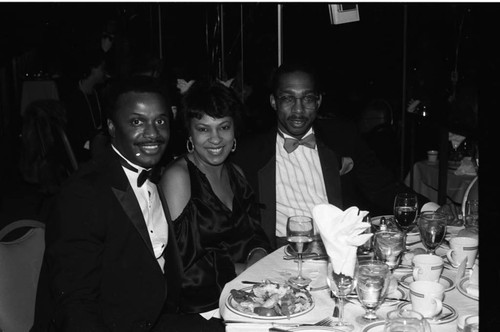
x=462, y=288
x=374, y=327
x=448, y=312
x=448, y=284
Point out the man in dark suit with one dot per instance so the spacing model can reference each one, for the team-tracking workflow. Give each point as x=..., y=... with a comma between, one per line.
x=111, y=255
x=306, y=161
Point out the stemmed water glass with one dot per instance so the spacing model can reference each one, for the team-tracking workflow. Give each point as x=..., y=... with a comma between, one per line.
x=372, y=285
x=405, y=210
x=341, y=285
x=299, y=233
x=432, y=228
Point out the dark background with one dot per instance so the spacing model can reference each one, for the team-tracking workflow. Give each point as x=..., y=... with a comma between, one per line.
x=397, y=51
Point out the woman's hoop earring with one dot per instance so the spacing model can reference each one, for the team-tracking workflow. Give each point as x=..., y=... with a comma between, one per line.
x=189, y=147
x=234, y=145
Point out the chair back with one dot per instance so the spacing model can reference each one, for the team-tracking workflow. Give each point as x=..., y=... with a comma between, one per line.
x=20, y=263
x=472, y=192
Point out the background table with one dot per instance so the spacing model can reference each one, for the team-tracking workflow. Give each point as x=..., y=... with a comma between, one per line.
x=275, y=268
x=426, y=179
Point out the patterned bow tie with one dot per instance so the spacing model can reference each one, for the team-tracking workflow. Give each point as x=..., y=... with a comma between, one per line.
x=292, y=143
x=152, y=174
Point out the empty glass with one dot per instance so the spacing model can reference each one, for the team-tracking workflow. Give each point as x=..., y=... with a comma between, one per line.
x=388, y=247
x=406, y=320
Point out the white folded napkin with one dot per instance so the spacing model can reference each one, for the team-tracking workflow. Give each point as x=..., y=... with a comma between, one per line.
x=341, y=234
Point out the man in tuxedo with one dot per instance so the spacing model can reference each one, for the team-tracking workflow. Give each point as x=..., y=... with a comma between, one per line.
x=111, y=255
x=307, y=161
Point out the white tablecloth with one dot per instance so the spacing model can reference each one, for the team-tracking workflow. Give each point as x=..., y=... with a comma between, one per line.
x=426, y=180
x=275, y=268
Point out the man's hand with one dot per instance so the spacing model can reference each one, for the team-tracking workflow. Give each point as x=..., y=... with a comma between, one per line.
x=453, y=213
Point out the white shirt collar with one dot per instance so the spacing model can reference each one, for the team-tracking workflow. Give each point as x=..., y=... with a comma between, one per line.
x=139, y=168
x=310, y=131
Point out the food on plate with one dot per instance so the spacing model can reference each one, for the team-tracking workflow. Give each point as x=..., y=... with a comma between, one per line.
x=271, y=299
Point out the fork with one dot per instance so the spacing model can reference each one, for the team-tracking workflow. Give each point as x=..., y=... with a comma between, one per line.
x=283, y=328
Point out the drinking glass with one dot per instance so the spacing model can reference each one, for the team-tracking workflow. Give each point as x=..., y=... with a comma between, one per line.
x=299, y=233
x=341, y=285
x=471, y=324
x=472, y=213
x=406, y=320
x=432, y=228
x=372, y=285
x=405, y=210
x=388, y=247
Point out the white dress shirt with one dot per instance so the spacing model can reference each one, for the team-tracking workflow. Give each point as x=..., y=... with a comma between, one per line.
x=152, y=210
x=299, y=182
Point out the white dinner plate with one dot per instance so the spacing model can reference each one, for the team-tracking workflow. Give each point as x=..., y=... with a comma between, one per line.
x=448, y=311
x=376, y=221
x=462, y=288
x=230, y=304
x=374, y=327
x=448, y=284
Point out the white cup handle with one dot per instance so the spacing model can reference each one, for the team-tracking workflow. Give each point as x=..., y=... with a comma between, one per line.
x=416, y=272
x=439, y=306
x=450, y=258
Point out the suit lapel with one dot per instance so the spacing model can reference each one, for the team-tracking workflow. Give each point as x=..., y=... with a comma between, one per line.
x=132, y=209
x=127, y=199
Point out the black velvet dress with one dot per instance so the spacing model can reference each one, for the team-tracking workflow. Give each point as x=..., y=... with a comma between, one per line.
x=212, y=238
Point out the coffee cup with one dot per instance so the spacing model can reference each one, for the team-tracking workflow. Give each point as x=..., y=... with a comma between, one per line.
x=432, y=156
x=427, y=297
x=427, y=267
x=461, y=248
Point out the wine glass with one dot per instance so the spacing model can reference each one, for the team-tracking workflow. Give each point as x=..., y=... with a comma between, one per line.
x=432, y=228
x=372, y=284
x=341, y=285
x=405, y=210
x=299, y=233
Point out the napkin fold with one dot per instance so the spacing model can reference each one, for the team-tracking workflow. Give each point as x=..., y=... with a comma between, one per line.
x=342, y=233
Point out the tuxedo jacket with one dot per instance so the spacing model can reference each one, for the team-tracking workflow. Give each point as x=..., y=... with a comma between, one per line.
x=368, y=185
x=99, y=258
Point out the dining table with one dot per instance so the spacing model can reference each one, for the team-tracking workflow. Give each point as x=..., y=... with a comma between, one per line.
x=426, y=181
x=277, y=267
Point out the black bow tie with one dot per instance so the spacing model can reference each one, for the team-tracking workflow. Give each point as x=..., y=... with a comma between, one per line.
x=152, y=174
x=292, y=143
